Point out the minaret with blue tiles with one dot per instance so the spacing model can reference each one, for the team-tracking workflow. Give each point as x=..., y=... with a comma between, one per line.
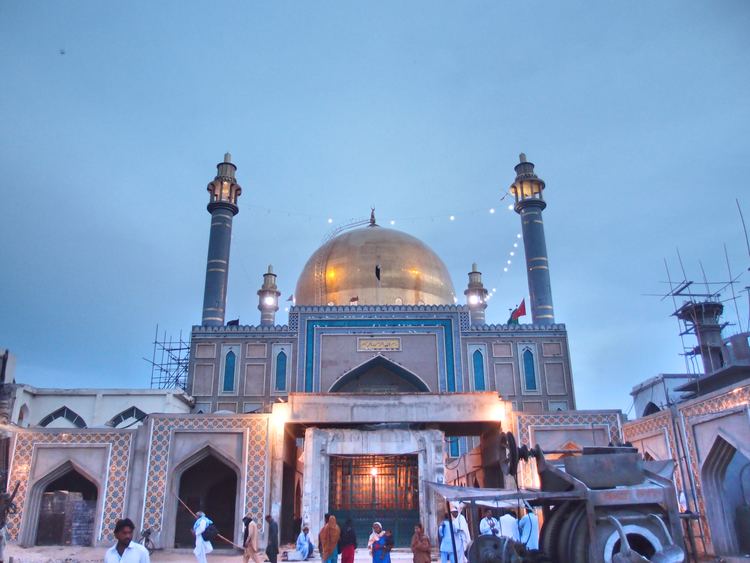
x=527, y=189
x=222, y=206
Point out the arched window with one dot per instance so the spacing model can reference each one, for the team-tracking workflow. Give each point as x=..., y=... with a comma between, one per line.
x=529, y=372
x=651, y=408
x=67, y=414
x=23, y=416
x=478, y=361
x=133, y=412
x=229, y=361
x=281, y=371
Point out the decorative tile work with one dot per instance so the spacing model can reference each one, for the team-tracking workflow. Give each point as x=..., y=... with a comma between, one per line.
x=660, y=422
x=528, y=476
x=254, y=472
x=314, y=328
x=115, y=489
x=567, y=418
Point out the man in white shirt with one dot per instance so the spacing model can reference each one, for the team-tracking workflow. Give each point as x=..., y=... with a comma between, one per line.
x=126, y=550
x=509, y=525
x=489, y=526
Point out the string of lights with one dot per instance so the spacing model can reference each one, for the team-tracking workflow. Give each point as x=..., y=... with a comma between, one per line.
x=450, y=217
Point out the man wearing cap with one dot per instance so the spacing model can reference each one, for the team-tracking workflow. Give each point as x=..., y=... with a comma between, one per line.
x=460, y=532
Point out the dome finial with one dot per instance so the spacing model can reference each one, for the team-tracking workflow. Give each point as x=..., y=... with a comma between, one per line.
x=372, y=217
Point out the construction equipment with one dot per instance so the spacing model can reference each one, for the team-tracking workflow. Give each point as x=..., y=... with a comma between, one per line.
x=604, y=505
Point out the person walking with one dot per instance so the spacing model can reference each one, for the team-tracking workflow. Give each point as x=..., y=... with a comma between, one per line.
x=272, y=547
x=420, y=545
x=202, y=547
x=126, y=550
x=250, y=541
x=329, y=540
x=348, y=542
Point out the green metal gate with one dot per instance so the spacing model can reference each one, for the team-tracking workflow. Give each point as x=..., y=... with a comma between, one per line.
x=376, y=488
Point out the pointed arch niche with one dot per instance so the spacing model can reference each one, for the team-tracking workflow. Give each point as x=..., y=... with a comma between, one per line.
x=379, y=375
x=68, y=476
x=722, y=491
x=206, y=480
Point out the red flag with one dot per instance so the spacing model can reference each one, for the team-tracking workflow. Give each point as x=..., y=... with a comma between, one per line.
x=520, y=310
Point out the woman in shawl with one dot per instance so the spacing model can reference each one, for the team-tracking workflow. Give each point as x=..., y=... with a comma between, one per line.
x=250, y=541
x=420, y=545
x=381, y=551
x=377, y=532
x=348, y=542
x=202, y=547
x=329, y=540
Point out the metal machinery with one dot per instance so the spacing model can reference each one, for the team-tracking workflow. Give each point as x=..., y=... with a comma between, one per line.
x=602, y=504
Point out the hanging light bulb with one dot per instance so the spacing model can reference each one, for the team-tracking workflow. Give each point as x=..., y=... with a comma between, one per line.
x=452, y=217
x=330, y=220
x=492, y=209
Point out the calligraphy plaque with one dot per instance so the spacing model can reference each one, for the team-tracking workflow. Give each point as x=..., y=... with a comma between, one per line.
x=378, y=344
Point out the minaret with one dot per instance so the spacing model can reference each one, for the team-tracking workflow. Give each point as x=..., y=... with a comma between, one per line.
x=268, y=298
x=476, y=296
x=223, y=207
x=527, y=189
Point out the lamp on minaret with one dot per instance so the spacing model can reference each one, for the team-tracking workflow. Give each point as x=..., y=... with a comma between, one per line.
x=222, y=206
x=476, y=296
x=527, y=189
x=268, y=298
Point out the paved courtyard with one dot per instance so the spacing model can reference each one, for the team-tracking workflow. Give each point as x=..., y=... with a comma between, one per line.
x=61, y=554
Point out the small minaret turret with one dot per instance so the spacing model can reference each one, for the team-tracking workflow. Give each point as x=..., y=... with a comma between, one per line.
x=527, y=189
x=476, y=296
x=222, y=206
x=268, y=298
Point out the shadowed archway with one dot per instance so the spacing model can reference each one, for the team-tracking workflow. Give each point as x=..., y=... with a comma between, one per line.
x=209, y=485
x=62, y=508
x=723, y=483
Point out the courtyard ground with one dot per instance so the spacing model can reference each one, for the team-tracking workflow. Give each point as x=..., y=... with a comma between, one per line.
x=62, y=554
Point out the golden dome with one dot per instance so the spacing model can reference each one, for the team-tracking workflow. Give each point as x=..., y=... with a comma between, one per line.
x=344, y=271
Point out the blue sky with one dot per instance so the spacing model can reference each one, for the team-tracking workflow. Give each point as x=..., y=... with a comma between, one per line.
x=636, y=115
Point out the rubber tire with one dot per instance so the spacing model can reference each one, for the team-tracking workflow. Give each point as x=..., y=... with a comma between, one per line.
x=564, y=545
x=551, y=529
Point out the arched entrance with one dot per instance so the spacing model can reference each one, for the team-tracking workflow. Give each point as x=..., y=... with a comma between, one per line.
x=67, y=512
x=209, y=485
x=723, y=483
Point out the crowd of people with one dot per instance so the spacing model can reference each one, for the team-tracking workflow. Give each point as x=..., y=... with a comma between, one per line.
x=453, y=535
